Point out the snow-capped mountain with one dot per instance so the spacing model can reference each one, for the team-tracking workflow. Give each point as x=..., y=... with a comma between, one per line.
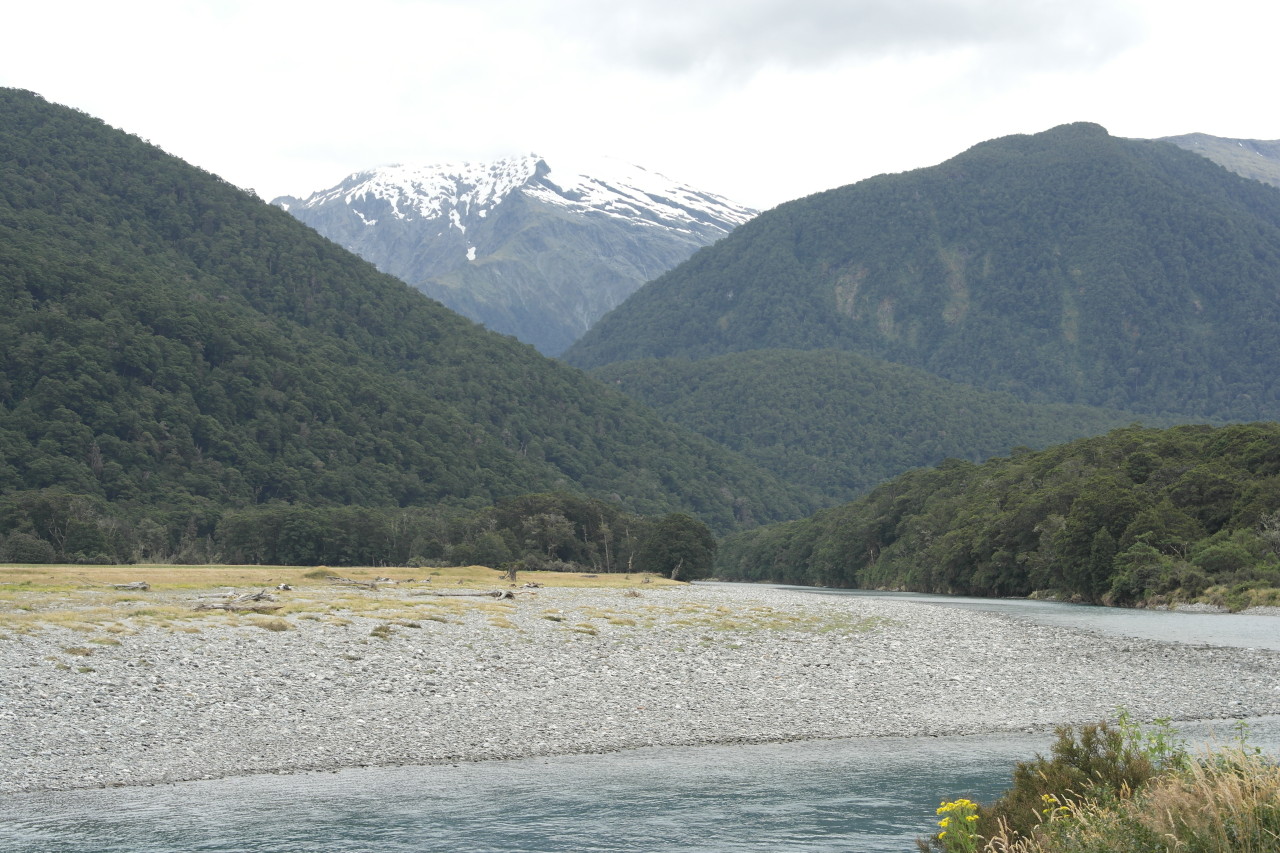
x=1253, y=158
x=528, y=248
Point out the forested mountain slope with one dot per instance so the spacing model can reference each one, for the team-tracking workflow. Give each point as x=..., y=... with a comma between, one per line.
x=1067, y=266
x=172, y=344
x=839, y=423
x=1135, y=515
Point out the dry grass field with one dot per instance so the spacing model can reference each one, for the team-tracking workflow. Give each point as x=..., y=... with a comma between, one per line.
x=99, y=600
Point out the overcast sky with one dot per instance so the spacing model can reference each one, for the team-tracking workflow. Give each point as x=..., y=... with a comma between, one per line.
x=758, y=100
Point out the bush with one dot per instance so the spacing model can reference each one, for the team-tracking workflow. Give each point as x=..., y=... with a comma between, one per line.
x=534, y=562
x=1223, y=558
x=25, y=548
x=1101, y=763
x=1125, y=789
x=1225, y=802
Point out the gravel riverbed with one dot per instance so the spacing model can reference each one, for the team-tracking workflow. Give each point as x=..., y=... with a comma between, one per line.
x=560, y=671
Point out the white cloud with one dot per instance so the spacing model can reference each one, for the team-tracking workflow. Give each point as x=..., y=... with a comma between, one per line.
x=738, y=37
x=762, y=100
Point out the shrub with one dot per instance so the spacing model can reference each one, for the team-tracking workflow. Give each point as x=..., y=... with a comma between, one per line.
x=1126, y=788
x=1225, y=802
x=25, y=548
x=1101, y=763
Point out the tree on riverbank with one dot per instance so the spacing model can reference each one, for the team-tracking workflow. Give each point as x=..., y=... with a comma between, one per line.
x=1134, y=516
x=677, y=546
x=548, y=530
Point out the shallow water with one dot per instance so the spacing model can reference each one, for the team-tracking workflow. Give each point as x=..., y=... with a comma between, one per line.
x=1237, y=630
x=855, y=795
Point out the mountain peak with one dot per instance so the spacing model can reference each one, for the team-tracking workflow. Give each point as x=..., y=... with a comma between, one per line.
x=461, y=190
x=538, y=247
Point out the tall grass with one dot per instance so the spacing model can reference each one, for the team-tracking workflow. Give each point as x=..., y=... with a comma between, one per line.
x=1225, y=802
x=1122, y=789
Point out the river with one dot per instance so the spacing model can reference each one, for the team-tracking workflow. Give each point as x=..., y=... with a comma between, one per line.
x=852, y=795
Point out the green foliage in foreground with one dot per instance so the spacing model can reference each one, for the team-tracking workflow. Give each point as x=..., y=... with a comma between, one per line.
x=1135, y=515
x=1122, y=789
x=536, y=531
x=838, y=423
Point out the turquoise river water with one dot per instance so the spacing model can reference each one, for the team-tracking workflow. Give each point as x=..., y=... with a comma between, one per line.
x=819, y=797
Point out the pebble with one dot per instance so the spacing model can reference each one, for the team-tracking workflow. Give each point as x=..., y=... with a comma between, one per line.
x=673, y=666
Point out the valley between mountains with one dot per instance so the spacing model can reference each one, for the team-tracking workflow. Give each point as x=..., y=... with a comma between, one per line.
x=1046, y=365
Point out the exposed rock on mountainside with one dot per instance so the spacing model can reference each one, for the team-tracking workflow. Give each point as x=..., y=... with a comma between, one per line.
x=1065, y=266
x=528, y=248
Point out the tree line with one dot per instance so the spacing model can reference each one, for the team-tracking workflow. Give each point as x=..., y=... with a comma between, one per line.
x=839, y=423
x=554, y=531
x=1138, y=515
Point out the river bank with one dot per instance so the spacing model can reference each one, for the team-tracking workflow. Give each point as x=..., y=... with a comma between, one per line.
x=416, y=680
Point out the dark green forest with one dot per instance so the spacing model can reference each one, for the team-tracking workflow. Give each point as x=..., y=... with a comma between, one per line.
x=191, y=375
x=174, y=349
x=1139, y=515
x=1067, y=266
x=838, y=423
x=557, y=531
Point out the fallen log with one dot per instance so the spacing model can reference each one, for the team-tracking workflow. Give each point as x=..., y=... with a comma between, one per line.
x=247, y=602
x=497, y=593
x=349, y=582
x=239, y=607
x=140, y=586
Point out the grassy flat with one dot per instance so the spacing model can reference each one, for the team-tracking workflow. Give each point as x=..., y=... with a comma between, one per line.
x=184, y=597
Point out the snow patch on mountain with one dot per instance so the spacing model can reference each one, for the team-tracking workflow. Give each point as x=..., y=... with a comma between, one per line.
x=529, y=246
x=460, y=191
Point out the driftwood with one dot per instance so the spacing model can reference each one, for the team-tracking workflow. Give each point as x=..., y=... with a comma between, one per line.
x=363, y=584
x=248, y=602
x=496, y=593
x=141, y=586
x=240, y=608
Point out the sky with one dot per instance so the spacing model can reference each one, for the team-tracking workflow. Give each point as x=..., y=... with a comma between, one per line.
x=761, y=101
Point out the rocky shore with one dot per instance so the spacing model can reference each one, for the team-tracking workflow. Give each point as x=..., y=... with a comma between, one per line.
x=557, y=671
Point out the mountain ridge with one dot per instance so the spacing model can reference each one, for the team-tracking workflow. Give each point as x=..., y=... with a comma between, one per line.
x=1258, y=159
x=528, y=248
x=174, y=345
x=1065, y=266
